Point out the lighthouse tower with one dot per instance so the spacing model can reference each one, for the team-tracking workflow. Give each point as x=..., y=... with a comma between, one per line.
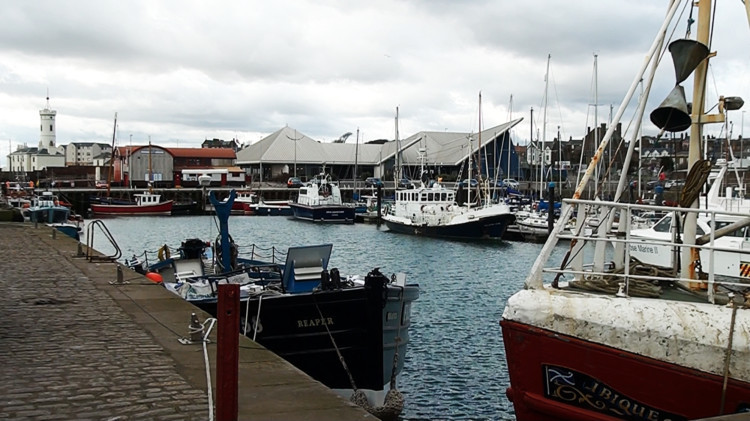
x=47, y=134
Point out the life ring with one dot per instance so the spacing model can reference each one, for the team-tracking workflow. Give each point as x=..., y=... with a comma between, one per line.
x=164, y=253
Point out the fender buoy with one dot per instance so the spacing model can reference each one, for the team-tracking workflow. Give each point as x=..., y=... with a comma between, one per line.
x=154, y=277
x=164, y=253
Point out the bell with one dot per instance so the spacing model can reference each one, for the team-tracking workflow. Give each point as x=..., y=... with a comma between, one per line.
x=686, y=56
x=672, y=115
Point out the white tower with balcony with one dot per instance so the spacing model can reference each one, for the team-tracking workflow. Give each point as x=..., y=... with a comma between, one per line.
x=47, y=133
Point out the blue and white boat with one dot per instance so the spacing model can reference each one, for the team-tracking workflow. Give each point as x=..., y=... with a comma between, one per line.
x=47, y=209
x=320, y=201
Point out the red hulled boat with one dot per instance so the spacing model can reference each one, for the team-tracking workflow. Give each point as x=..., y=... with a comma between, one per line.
x=145, y=204
x=612, y=337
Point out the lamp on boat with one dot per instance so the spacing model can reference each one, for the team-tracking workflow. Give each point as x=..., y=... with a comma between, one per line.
x=673, y=114
x=732, y=103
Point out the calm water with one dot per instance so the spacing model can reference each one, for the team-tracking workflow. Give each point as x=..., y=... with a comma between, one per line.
x=455, y=367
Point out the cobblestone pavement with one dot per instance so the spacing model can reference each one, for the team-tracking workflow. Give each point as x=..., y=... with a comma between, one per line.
x=73, y=346
x=67, y=351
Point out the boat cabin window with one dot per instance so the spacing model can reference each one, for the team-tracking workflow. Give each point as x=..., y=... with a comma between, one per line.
x=430, y=197
x=736, y=233
x=665, y=225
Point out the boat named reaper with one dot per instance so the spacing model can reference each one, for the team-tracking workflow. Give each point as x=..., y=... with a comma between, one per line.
x=348, y=332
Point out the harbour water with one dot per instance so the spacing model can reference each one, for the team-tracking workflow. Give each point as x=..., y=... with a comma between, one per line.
x=455, y=366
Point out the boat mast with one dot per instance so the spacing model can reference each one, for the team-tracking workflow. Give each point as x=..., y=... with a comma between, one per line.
x=596, y=119
x=356, y=153
x=112, y=156
x=696, y=133
x=150, y=174
x=510, y=118
x=479, y=141
x=544, y=128
x=397, y=169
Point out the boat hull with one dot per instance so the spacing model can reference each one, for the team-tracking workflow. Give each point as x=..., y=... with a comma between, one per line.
x=367, y=330
x=163, y=208
x=492, y=227
x=323, y=213
x=267, y=210
x=558, y=377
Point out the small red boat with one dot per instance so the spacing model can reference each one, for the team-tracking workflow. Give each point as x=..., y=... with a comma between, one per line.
x=145, y=204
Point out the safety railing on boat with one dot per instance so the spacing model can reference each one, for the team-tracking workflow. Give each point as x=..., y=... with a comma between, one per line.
x=612, y=247
x=92, y=228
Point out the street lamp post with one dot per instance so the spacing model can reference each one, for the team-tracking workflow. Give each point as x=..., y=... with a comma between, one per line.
x=295, y=139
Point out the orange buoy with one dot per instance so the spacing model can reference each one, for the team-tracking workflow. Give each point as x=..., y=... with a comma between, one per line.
x=154, y=277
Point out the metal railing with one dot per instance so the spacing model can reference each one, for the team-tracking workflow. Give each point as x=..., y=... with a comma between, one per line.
x=90, y=256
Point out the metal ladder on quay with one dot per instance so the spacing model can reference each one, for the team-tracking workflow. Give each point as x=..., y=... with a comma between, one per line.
x=90, y=255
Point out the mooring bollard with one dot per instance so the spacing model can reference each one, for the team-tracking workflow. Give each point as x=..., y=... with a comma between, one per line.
x=227, y=352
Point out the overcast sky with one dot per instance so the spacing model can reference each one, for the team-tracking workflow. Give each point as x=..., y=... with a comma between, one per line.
x=183, y=71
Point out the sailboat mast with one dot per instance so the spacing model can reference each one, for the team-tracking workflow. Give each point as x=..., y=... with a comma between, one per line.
x=544, y=126
x=479, y=140
x=510, y=117
x=150, y=174
x=397, y=170
x=596, y=116
x=112, y=157
x=356, y=154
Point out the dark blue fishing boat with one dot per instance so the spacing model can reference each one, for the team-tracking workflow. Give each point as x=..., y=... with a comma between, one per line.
x=348, y=332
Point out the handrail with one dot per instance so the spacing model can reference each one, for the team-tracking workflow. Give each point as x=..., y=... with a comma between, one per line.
x=90, y=256
x=622, y=240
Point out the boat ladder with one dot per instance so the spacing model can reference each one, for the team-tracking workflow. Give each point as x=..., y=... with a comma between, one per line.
x=90, y=255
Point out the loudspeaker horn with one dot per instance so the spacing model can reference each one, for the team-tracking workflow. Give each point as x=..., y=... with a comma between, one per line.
x=686, y=56
x=672, y=115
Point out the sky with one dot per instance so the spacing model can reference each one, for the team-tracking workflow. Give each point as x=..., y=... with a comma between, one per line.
x=180, y=72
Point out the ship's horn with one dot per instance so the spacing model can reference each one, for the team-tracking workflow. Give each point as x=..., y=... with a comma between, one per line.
x=672, y=115
x=686, y=56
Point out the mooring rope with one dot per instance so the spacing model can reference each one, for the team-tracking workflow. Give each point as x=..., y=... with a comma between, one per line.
x=333, y=341
x=728, y=354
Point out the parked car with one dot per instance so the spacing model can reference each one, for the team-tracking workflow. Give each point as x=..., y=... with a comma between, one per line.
x=373, y=182
x=511, y=183
x=468, y=182
x=293, y=182
x=101, y=184
x=405, y=183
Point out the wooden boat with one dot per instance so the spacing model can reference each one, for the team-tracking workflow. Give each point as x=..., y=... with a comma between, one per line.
x=598, y=335
x=146, y=203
